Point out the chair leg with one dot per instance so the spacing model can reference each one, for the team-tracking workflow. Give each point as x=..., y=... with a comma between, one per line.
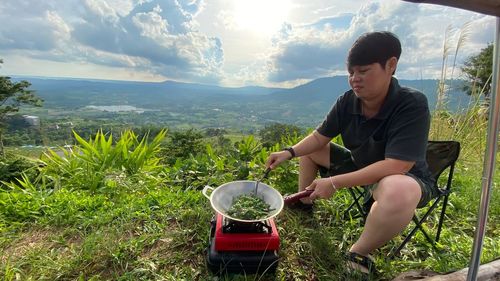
x=356, y=202
x=346, y=212
x=418, y=226
x=356, y=198
x=349, y=208
x=441, y=217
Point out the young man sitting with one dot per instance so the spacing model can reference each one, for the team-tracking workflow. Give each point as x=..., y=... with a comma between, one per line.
x=384, y=128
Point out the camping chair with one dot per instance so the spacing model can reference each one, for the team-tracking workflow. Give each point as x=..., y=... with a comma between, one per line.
x=358, y=194
x=441, y=155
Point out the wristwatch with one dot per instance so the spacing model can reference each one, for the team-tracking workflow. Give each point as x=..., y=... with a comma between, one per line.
x=290, y=149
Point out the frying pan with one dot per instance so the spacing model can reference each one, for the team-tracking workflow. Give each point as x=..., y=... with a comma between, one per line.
x=222, y=197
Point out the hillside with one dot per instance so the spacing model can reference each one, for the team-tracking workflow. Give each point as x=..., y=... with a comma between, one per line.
x=175, y=104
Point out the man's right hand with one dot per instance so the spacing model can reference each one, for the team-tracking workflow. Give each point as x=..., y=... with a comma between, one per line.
x=276, y=158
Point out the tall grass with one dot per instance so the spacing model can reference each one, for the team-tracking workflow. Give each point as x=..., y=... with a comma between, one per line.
x=468, y=125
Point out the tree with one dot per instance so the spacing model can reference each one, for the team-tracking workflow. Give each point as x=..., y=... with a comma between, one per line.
x=215, y=132
x=182, y=144
x=478, y=70
x=275, y=132
x=12, y=96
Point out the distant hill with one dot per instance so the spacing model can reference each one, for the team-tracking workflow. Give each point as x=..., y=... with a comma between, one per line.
x=174, y=103
x=328, y=89
x=78, y=93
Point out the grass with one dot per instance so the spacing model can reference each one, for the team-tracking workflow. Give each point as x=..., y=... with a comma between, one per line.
x=112, y=210
x=162, y=234
x=135, y=230
x=32, y=152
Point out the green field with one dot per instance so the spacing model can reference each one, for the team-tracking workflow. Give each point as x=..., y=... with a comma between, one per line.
x=125, y=209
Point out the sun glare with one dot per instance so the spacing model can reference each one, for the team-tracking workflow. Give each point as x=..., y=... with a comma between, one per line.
x=264, y=16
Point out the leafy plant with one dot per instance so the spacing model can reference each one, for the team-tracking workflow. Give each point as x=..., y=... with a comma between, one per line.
x=13, y=167
x=275, y=132
x=181, y=145
x=92, y=162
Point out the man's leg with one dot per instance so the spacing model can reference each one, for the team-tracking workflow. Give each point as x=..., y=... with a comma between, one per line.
x=309, y=165
x=396, y=198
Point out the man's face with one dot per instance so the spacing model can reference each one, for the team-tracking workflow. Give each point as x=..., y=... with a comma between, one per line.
x=371, y=80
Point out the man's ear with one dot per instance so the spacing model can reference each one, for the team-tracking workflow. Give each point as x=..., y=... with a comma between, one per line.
x=392, y=64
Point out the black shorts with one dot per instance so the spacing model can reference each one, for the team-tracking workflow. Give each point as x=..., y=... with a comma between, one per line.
x=341, y=162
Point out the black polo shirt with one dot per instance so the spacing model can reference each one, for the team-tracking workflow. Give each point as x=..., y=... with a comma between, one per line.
x=400, y=129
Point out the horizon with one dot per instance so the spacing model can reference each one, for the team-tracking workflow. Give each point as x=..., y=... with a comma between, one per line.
x=283, y=43
x=25, y=77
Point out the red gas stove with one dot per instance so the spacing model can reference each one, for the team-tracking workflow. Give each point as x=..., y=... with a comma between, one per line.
x=242, y=247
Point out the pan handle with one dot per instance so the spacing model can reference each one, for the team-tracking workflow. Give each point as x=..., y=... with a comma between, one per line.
x=266, y=173
x=205, y=189
x=290, y=199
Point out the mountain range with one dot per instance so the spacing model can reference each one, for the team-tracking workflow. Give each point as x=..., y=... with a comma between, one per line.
x=173, y=103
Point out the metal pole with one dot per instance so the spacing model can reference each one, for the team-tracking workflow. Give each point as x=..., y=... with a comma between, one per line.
x=489, y=160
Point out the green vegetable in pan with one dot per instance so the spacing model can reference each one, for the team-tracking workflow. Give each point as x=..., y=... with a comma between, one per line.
x=249, y=207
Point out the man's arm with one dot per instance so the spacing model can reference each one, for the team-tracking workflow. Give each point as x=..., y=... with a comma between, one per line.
x=326, y=187
x=310, y=144
x=373, y=173
x=307, y=145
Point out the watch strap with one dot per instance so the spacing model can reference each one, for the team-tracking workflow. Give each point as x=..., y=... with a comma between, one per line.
x=292, y=152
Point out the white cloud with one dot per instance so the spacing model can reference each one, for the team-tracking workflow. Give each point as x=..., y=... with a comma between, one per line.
x=319, y=49
x=158, y=35
x=200, y=41
x=38, y=31
x=104, y=10
x=152, y=25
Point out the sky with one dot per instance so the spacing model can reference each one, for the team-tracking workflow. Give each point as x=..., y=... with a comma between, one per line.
x=273, y=43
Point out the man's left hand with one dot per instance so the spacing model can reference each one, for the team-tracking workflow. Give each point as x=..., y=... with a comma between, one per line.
x=322, y=189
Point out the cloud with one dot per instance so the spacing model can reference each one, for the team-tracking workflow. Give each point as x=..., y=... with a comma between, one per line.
x=341, y=21
x=319, y=49
x=198, y=41
x=39, y=31
x=308, y=55
x=161, y=32
x=482, y=30
x=158, y=35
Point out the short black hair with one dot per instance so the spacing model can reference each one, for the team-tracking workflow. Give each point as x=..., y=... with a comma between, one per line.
x=374, y=47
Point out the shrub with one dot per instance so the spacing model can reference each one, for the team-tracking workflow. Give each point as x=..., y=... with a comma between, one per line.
x=12, y=168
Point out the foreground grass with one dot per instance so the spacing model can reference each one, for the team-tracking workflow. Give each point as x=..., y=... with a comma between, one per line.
x=161, y=234
x=145, y=226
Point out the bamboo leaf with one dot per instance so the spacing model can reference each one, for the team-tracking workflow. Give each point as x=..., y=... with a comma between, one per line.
x=88, y=147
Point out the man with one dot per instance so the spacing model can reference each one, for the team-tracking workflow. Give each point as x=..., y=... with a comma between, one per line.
x=385, y=129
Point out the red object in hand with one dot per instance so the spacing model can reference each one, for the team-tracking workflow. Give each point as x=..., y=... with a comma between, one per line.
x=290, y=199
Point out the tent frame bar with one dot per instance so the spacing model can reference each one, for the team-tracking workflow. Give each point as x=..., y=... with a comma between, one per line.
x=489, y=160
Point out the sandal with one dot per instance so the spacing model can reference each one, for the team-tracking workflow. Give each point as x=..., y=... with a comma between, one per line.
x=362, y=264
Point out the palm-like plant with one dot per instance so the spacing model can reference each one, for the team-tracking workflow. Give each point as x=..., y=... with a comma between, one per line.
x=86, y=165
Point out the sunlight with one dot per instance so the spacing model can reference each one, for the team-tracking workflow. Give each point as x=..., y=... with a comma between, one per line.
x=261, y=15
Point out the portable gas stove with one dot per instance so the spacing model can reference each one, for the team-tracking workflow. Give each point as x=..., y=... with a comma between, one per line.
x=242, y=247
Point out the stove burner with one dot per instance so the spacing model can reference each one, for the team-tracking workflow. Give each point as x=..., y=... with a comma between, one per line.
x=241, y=247
x=232, y=226
x=231, y=235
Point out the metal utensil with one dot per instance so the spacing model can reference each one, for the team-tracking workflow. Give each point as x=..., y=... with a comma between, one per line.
x=222, y=197
x=266, y=173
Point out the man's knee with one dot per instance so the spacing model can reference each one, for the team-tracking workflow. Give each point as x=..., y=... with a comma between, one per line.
x=398, y=192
